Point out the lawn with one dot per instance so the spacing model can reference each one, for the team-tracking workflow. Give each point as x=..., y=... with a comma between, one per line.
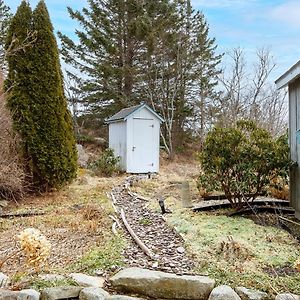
x=232, y=250
x=76, y=222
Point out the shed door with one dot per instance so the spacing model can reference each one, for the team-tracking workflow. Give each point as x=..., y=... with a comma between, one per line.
x=143, y=149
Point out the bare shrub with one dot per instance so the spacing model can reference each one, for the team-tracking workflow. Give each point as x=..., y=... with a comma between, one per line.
x=12, y=176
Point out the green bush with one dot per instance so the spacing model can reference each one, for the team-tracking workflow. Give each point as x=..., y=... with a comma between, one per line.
x=107, y=164
x=242, y=161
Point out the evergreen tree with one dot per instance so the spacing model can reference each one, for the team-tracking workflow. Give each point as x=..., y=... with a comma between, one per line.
x=5, y=17
x=158, y=52
x=106, y=53
x=38, y=103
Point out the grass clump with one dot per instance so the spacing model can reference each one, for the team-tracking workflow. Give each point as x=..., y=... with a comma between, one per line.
x=104, y=258
x=40, y=284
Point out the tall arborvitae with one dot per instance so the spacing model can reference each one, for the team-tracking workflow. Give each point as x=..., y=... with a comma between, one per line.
x=39, y=106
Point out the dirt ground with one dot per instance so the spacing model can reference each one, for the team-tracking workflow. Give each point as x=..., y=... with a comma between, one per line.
x=75, y=221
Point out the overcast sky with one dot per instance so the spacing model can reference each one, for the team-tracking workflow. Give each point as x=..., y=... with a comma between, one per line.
x=248, y=24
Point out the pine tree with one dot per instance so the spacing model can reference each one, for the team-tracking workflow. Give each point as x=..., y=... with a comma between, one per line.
x=106, y=54
x=206, y=73
x=38, y=103
x=5, y=17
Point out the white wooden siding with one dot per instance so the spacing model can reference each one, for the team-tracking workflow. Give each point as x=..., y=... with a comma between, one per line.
x=294, y=126
x=117, y=141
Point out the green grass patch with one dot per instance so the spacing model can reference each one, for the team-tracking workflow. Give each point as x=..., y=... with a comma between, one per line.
x=238, y=252
x=104, y=257
x=40, y=284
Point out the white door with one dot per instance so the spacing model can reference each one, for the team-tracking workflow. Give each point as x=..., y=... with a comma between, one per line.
x=144, y=144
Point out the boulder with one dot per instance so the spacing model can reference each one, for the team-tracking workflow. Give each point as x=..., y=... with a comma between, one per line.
x=8, y=295
x=158, y=284
x=4, y=281
x=86, y=280
x=287, y=296
x=93, y=293
x=223, y=292
x=64, y=292
x=28, y=294
x=249, y=294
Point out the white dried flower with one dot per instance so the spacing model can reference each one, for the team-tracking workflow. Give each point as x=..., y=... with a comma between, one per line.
x=35, y=246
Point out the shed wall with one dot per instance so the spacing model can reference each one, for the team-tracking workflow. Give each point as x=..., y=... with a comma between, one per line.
x=117, y=141
x=294, y=139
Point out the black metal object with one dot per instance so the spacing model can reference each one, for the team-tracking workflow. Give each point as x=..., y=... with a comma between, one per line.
x=161, y=203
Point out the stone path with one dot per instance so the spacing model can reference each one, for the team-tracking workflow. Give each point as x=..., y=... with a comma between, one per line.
x=155, y=233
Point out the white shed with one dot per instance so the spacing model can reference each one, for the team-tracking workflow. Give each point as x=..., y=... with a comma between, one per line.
x=291, y=79
x=134, y=135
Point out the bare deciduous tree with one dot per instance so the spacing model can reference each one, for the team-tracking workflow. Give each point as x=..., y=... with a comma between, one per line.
x=248, y=93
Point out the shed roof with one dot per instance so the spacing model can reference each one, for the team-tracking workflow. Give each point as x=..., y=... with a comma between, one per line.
x=289, y=76
x=124, y=113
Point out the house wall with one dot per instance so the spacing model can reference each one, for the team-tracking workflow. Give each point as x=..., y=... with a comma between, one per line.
x=294, y=140
x=117, y=141
x=143, y=135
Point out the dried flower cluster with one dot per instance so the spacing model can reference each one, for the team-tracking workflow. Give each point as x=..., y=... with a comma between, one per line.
x=35, y=246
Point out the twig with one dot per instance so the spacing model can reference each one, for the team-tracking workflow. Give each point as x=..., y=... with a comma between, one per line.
x=116, y=220
x=113, y=227
x=288, y=220
x=134, y=236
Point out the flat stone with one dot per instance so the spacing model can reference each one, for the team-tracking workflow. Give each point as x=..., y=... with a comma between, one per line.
x=93, y=293
x=250, y=294
x=223, y=292
x=8, y=295
x=180, y=250
x=287, y=296
x=64, y=292
x=86, y=280
x=4, y=281
x=51, y=277
x=28, y=294
x=163, y=285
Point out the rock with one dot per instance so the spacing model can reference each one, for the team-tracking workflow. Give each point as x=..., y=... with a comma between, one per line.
x=28, y=295
x=121, y=297
x=249, y=294
x=4, y=281
x=158, y=284
x=180, y=250
x=287, y=296
x=83, y=157
x=8, y=295
x=52, y=277
x=64, y=292
x=86, y=280
x=93, y=293
x=223, y=292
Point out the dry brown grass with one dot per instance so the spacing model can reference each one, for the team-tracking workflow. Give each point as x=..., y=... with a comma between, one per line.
x=12, y=177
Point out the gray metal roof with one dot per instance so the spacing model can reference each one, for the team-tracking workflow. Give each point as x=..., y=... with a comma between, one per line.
x=125, y=112
x=289, y=76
